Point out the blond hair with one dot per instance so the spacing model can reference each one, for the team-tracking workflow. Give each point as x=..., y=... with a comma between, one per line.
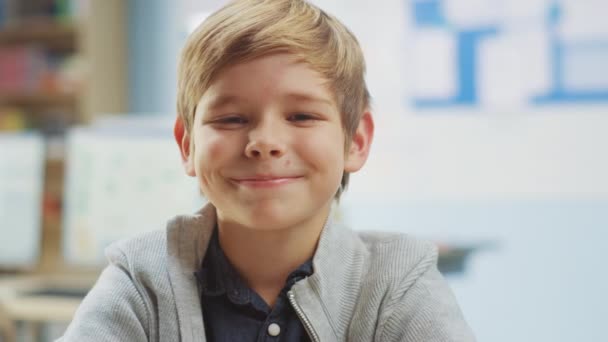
x=244, y=30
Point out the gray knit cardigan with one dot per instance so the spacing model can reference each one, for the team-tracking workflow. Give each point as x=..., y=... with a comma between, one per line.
x=365, y=287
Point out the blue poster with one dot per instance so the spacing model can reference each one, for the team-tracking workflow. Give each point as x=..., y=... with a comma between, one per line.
x=573, y=45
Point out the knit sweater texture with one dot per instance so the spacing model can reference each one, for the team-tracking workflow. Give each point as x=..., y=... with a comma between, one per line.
x=366, y=286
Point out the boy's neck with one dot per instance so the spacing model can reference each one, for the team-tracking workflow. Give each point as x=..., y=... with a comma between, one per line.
x=266, y=258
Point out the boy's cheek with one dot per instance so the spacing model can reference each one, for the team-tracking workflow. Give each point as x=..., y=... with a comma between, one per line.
x=216, y=151
x=213, y=147
x=328, y=145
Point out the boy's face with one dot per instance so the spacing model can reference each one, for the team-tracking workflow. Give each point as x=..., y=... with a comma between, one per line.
x=268, y=144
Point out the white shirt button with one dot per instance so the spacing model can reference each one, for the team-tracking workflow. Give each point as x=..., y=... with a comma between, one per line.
x=274, y=329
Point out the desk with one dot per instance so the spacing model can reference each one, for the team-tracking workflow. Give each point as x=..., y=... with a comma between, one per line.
x=18, y=304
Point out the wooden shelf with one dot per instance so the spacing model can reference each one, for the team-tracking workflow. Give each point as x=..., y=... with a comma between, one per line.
x=97, y=36
x=47, y=33
x=38, y=100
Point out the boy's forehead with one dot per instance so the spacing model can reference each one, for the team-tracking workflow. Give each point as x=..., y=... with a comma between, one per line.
x=217, y=99
x=279, y=76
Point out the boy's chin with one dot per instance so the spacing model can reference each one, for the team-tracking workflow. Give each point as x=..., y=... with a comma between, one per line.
x=273, y=218
x=270, y=220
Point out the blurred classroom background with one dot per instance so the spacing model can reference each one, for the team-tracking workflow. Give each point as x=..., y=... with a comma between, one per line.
x=492, y=140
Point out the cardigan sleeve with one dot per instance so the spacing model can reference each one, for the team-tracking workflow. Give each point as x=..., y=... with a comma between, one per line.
x=427, y=310
x=114, y=310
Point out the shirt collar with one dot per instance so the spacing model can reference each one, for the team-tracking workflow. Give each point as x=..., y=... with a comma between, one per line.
x=217, y=276
x=188, y=237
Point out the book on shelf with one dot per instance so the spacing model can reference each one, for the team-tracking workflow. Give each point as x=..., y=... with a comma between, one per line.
x=26, y=70
x=12, y=120
x=17, y=11
x=21, y=69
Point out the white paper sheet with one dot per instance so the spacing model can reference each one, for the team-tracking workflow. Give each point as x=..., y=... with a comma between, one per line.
x=21, y=188
x=119, y=185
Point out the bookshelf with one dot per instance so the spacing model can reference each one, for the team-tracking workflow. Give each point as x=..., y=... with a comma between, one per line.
x=39, y=99
x=62, y=62
x=54, y=35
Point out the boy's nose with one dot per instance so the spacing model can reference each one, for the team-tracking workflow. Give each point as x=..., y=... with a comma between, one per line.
x=263, y=144
x=260, y=151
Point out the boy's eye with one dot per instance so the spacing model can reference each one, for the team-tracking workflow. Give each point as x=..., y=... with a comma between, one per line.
x=231, y=120
x=301, y=117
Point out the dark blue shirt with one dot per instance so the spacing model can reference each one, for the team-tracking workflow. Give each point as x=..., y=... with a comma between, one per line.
x=234, y=312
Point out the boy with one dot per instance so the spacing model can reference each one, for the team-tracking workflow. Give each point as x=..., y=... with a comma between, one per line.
x=273, y=116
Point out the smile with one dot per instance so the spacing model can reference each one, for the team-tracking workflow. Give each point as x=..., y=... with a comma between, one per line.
x=265, y=182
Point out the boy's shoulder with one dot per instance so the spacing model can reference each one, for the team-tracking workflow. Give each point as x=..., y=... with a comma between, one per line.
x=382, y=244
x=378, y=259
x=379, y=246
x=174, y=247
x=155, y=245
x=139, y=252
x=394, y=255
x=399, y=255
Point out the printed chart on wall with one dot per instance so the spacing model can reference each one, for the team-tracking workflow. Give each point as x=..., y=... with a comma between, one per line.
x=484, y=99
x=122, y=180
x=500, y=52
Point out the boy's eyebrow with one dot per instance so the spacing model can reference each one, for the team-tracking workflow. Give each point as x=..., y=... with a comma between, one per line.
x=309, y=98
x=223, y=100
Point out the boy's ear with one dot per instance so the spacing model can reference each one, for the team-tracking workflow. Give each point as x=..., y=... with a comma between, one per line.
x=360, y=144
x=183, y=141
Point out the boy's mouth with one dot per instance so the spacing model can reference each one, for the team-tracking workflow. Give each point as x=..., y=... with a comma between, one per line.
x=265, y=181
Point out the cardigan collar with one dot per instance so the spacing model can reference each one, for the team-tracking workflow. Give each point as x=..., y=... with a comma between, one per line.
x=327, y=298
